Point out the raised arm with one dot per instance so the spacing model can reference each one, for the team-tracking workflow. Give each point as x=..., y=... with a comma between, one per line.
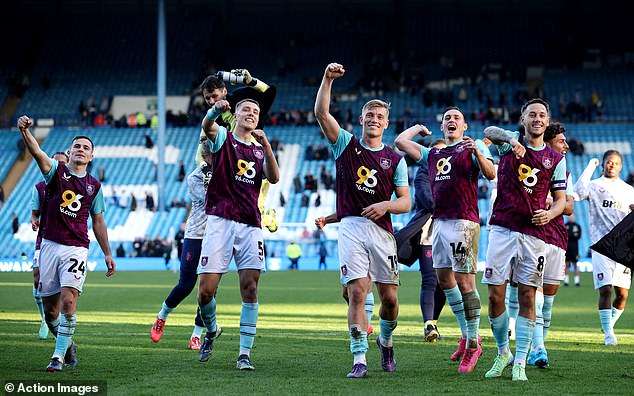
x=484, y=163
x=328, y=123
x=404, y=141
x=209, y=125
x=581, y=187
x=500, y=136
x=42, y=160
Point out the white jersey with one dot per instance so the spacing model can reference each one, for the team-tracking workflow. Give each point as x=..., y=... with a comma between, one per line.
x=609, y=201
x=197, y=188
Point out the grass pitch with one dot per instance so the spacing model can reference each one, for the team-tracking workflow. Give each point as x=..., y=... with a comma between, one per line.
x=302, y=345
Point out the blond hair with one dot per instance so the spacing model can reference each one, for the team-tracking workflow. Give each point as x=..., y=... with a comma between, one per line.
x=376, y=103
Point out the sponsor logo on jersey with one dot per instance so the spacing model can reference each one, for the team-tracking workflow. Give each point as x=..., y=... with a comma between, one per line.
x=528, y=176
x=246, y=172
x=367, y=181
x=71, y=203
x=443, y=167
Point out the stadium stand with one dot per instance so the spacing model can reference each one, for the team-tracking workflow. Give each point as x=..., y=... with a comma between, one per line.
x=86, y=54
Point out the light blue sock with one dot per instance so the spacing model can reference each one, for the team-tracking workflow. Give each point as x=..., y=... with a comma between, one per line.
x=606, y=319
x=198, y=331
x=512, y=303
x=248, y=324
x=369, y=306
x=547, y=313
x=358, y=343
x=208, y=315
x=387, y=328
x=500, y=329
x=53, y=326
x=523, y=334
x=454, y=298
x=616, y=314
x=538, y=332
x=64, y=334
x=165, y=311
x=38, y=301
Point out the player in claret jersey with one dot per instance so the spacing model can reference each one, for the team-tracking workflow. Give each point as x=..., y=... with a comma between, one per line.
x=368, y=174
x=527, y=171
x=456, y=232
x=72, y=195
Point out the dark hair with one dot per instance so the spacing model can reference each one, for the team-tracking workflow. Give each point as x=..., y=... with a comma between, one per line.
x=62, y=153
x=211, y=82
x=535, y=100
x=552, y=130
x=452, y=108
x=92, y=145
x=610, y=153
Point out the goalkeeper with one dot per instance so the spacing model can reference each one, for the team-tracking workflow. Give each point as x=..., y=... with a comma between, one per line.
x=213, y=89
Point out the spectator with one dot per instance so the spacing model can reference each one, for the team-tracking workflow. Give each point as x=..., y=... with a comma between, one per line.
x=323, y=252
x=293, y=252
x=305, y=200
x=181, y=172
x=120, y=250
x=16, y=223
x=318, y=201
x=148, y=141
x=149, y=201
x=297, y=184
x=101, y=173
x=178, y=239
x=137, y=247
x=131, y=122
x=1, y=196
x=282, y=200
x=132, y=202
x=629, y=180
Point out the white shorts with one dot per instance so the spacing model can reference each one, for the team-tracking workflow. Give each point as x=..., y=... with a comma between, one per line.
x=455, y=245
x=511, y=253
x=36, y=259
x=365, y=248
x=61, y=266
x=608, y=272
x=226, y=239
x=555, y=268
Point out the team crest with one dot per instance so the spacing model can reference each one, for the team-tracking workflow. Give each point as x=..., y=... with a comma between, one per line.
x=488, y=272
x=386, y=163
x=203, y=261
x=259, y=154
x=600, y=276
x=547, y=162
x=90, y=189
x=460, y=149
x=344, y=270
